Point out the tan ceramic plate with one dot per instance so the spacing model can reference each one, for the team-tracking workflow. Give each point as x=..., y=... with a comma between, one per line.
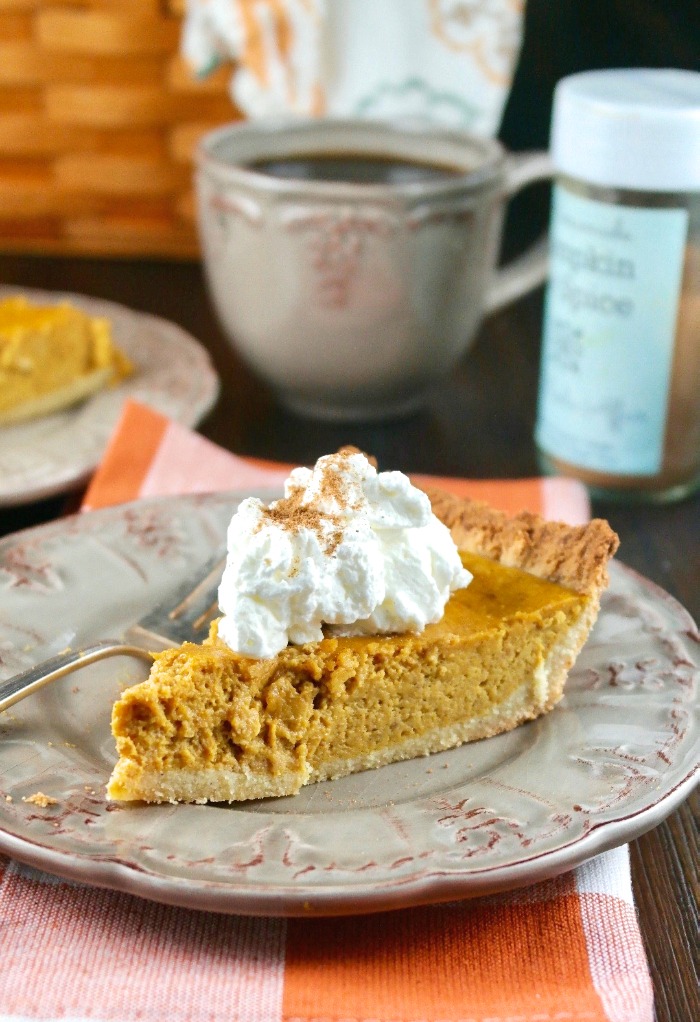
x=57, y=452
x=618, y=753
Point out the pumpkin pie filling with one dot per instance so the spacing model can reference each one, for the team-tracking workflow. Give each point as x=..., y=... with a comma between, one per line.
x=51, y=357
x=210, y=724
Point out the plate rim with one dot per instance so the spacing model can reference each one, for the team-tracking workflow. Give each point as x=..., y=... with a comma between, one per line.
x=428, y=886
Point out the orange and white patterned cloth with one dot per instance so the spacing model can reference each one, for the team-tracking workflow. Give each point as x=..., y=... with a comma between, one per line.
x=150, y=455
x=565, y=950
x=450, y=61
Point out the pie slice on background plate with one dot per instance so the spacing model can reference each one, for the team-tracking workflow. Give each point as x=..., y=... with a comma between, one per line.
x=51, y=357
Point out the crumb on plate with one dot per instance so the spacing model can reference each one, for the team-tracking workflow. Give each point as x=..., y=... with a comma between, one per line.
x=41, y=800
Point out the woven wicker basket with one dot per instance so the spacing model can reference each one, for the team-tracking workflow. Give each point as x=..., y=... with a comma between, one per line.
x=99, y=117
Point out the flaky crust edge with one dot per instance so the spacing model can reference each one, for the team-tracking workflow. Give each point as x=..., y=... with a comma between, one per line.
x=575, y=556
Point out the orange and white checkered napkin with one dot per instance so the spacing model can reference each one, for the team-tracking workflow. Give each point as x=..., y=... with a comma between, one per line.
x=566, y=950
x=150, y=455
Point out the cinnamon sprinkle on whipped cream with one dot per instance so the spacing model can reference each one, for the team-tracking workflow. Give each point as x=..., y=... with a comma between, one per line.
x=347, y=550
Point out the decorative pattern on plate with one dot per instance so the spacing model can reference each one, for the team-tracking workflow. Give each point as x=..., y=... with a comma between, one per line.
x=173, y=374
x=617, y=755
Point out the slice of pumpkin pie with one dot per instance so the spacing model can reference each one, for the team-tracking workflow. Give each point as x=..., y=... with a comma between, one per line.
x=51, y=357
x=363, y=622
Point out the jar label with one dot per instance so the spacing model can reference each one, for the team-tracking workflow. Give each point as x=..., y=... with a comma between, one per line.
x=609, y=330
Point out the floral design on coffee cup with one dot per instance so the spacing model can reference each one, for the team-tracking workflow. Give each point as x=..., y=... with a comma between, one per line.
x=335, y=244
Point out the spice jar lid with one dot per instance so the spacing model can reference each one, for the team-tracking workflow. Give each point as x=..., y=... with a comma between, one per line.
x=635, y=128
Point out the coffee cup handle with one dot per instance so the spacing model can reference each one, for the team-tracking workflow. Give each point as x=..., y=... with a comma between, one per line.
x=529, y=270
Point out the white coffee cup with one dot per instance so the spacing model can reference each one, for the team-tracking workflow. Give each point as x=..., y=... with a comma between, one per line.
x=352, y=300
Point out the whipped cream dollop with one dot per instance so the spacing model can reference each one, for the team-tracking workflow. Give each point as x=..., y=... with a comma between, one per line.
x=349, y=548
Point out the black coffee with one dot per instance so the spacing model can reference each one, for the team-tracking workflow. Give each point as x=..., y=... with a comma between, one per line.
x=369, y=169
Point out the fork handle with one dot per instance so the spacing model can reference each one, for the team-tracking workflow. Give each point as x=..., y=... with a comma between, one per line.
x=58, y=666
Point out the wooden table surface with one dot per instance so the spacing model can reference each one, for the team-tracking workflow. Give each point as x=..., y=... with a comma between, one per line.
x=479, y=424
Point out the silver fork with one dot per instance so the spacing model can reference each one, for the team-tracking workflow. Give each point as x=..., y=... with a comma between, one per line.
x=184, y=617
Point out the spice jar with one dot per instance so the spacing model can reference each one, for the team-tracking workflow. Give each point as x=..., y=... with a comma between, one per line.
x=619, y=399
